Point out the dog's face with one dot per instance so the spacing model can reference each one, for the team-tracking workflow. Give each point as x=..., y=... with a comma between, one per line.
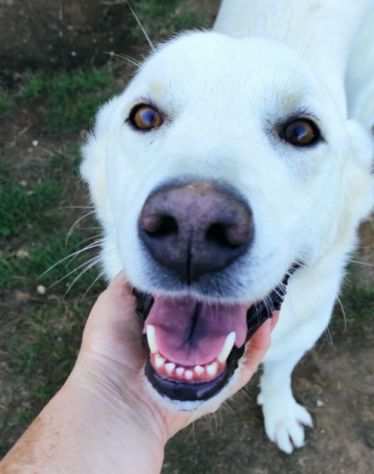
x=220, y=168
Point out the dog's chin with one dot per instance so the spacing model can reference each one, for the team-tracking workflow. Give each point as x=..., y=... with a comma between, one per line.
x=194, y=347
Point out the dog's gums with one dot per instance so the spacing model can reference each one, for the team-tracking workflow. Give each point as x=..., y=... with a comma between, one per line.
x=194, y=347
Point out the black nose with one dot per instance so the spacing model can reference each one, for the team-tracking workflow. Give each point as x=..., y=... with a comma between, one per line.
x=196, y=228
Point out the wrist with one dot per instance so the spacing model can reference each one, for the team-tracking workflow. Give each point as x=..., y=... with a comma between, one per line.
x=101, y=388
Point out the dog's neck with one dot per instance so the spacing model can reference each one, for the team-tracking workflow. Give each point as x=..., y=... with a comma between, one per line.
x=321, y=31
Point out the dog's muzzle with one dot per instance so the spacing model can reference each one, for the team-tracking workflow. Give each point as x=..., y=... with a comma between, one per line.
x=193, y=231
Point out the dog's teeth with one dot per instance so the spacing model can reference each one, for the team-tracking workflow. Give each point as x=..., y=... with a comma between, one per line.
x=188, y=374
x=227, y=347
x=199, y=370
x=151, y=338
x=159, y=361
x=169, y=367
x=212, y=369
x=180, y=371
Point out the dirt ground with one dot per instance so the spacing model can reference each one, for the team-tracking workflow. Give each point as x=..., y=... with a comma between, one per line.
x=335, y=381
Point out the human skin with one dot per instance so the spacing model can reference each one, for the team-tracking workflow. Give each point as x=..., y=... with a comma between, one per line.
x=104, y=418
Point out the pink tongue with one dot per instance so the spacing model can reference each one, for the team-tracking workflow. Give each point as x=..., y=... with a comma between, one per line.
x=193, y=333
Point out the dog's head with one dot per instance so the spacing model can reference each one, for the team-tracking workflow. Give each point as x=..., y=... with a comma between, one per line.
x=223, y=166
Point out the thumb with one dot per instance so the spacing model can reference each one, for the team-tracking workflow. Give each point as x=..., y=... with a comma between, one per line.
x=113, y=329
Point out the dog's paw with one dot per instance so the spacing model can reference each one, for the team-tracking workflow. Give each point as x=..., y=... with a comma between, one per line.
x=285, y=420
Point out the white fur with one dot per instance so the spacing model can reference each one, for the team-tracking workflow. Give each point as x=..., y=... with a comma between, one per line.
x=360, y=77
x=224, y=92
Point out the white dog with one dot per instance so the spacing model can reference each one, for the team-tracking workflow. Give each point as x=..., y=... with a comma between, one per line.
x=227, y=171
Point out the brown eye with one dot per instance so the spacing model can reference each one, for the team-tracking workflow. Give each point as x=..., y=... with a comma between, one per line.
x=301, y=132
x=145, y=117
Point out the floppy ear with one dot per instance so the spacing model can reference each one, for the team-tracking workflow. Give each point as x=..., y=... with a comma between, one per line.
x=321, y=31
x=94, y=152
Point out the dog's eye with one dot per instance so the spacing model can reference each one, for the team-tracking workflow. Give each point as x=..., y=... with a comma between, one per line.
x=301, y=132
x=145, y=117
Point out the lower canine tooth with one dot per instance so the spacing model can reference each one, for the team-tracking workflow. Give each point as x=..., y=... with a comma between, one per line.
x=159, y=361
x=227, y=347
x=212, y=369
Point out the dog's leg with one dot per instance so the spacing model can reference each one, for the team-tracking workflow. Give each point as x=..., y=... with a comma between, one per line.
x=284, y=418
x=304, y=317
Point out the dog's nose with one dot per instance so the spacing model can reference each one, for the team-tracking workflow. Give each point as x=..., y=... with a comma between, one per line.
x=196, y=228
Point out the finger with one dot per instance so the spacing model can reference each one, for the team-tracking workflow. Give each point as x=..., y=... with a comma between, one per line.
x=113, y=327
x=115, y=303
x=255, y=351
x=117, y=293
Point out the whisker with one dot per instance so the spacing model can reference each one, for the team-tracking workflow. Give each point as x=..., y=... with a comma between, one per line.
x=95, y=236
x=330, y=337
x=278, y=292
x=341, y=306
x=88, y=267
x=74, y=270
x=76, y=223
x=137, y=19
x=94, y=244
x=129, y=59
x=95, y=227
x=100, y=275
x=77, y=207
x=300, y=263
x=268, y=306
x=360, y=262
x=229, y=405
x=245, y=391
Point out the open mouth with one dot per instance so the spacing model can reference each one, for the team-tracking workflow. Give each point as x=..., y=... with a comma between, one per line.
x=194, y=346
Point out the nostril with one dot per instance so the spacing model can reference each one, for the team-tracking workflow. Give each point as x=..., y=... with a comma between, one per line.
x=227, y=235
x=239, y=234
x=219, y=234
x=160, y=225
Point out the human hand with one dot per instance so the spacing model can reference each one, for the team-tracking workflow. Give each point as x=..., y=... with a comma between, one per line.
x=112, y=359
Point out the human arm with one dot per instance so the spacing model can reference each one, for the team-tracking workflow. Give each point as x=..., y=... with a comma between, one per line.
x=104, y=418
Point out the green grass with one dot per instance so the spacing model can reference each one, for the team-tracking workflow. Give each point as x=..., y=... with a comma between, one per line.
x=162, y=19
x=6, y=102
x=50, y=347
x=34, y=224
x=69, y=99
x=358, y=302
x=41, y=352
x=25, y=210
x=28, y=269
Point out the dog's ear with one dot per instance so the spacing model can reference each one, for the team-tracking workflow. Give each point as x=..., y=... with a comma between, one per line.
x=94, y=153
x=358, y=175
x=360, y=76
x=360, y=96
x=321, y=32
